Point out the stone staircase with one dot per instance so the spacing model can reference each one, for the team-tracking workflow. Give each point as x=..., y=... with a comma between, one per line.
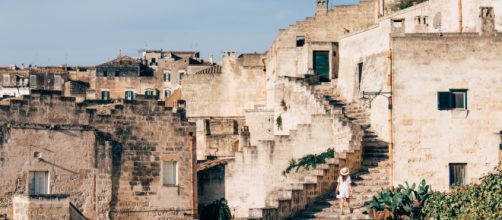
x=309, y=194
x=370, y=178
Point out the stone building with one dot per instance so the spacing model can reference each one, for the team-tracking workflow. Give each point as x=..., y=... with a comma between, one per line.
x=171, y=66
x=364, y=80
x=15, y=81
x=122, y=161
x=399, y=94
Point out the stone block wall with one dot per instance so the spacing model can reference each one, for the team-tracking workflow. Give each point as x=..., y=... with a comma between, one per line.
x=426, y=139
x=227, y=94
x=110, y=164
x=43, y=208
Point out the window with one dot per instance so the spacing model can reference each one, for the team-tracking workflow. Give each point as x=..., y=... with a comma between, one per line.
x=300, y=41
x=170, y=173
x=149, y=93
x=129, y=95
x=153, y=62
x=117, y=73
x=57, y=80
x=167, y=93
x=181, y=74
x=360, y=73
x=105, y=73
x=167, y=77
x=454, y=99
x=105, y=95
x=33, y=81
x=457, y=174
x=208, y=126
x=39, y=183
x=6, y=80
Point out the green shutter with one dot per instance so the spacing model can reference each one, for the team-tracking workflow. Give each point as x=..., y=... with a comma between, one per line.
x=321, y=65
x=444, y=100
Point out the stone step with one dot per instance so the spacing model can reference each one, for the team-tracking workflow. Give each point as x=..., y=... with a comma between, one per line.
x=374, y=162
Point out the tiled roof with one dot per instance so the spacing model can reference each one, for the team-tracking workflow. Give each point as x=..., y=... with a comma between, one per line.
x=210, y=70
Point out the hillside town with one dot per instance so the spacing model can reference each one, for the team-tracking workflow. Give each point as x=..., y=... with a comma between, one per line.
x=398, y=93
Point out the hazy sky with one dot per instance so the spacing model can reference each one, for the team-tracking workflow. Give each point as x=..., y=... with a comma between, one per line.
x=90, y=32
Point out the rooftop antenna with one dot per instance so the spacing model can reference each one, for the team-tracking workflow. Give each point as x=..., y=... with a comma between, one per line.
x=120, y=52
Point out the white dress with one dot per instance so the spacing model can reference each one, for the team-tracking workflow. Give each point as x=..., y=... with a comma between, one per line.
x=344, y=191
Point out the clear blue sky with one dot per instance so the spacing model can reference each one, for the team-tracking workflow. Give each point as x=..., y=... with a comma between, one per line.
x=89, y=32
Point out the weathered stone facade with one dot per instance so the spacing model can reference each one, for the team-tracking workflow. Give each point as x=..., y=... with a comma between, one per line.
x=109, y=164
x=428, y=139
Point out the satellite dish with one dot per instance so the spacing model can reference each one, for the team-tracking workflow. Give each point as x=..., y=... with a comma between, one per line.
x=437, y=20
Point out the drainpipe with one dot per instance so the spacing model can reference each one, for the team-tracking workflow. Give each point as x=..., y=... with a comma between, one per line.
x=191, y=142
x=460, y=16
x=391, y=140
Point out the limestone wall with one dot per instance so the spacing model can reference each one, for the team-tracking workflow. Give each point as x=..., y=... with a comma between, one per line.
x=26, y=208
x=227, y=94
x=284, y=58
x=371, y=48
x=109, y=164
x=261, y=162
x=426, y=139
x=218, y=137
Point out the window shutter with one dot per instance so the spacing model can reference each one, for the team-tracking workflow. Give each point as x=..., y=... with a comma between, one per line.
x=444, y=101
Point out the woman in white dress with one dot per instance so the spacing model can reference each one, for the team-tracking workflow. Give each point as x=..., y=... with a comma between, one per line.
x=343, y=188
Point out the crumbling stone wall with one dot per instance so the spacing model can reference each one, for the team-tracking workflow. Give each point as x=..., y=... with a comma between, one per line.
x=427, y=139
x=218, y=137
x=110, y=165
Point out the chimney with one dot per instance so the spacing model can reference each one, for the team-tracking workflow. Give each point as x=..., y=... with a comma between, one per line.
x=211, y=59
x=397, y=26
x=322, y=6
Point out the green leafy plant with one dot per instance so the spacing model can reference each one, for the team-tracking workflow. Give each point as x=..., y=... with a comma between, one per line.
x=218, y=210
x=403, y=202
x=278, y=121
x=308, y=161
x=408, y=3
x=474, y=201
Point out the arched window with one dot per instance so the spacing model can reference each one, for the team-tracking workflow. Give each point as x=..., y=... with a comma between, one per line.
x=167, y=93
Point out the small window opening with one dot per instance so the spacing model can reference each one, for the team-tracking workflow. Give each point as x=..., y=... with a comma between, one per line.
x=33, y=81
x=39, y=183
x=454, y=99
x=457, y=174
x=170, y=173
x=236, y=127
x=360, y=73
x=105, y=73
x=300, y=41
x=207, y=124
x=105, y=95
x=167, y=93
x=129, y=95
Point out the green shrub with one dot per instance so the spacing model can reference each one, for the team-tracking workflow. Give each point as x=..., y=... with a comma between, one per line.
x=311, y=160
x=402, y=202
x=408, y=3
x=483, y=201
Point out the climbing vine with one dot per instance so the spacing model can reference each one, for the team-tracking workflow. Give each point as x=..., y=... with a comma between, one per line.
x=311, y=160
